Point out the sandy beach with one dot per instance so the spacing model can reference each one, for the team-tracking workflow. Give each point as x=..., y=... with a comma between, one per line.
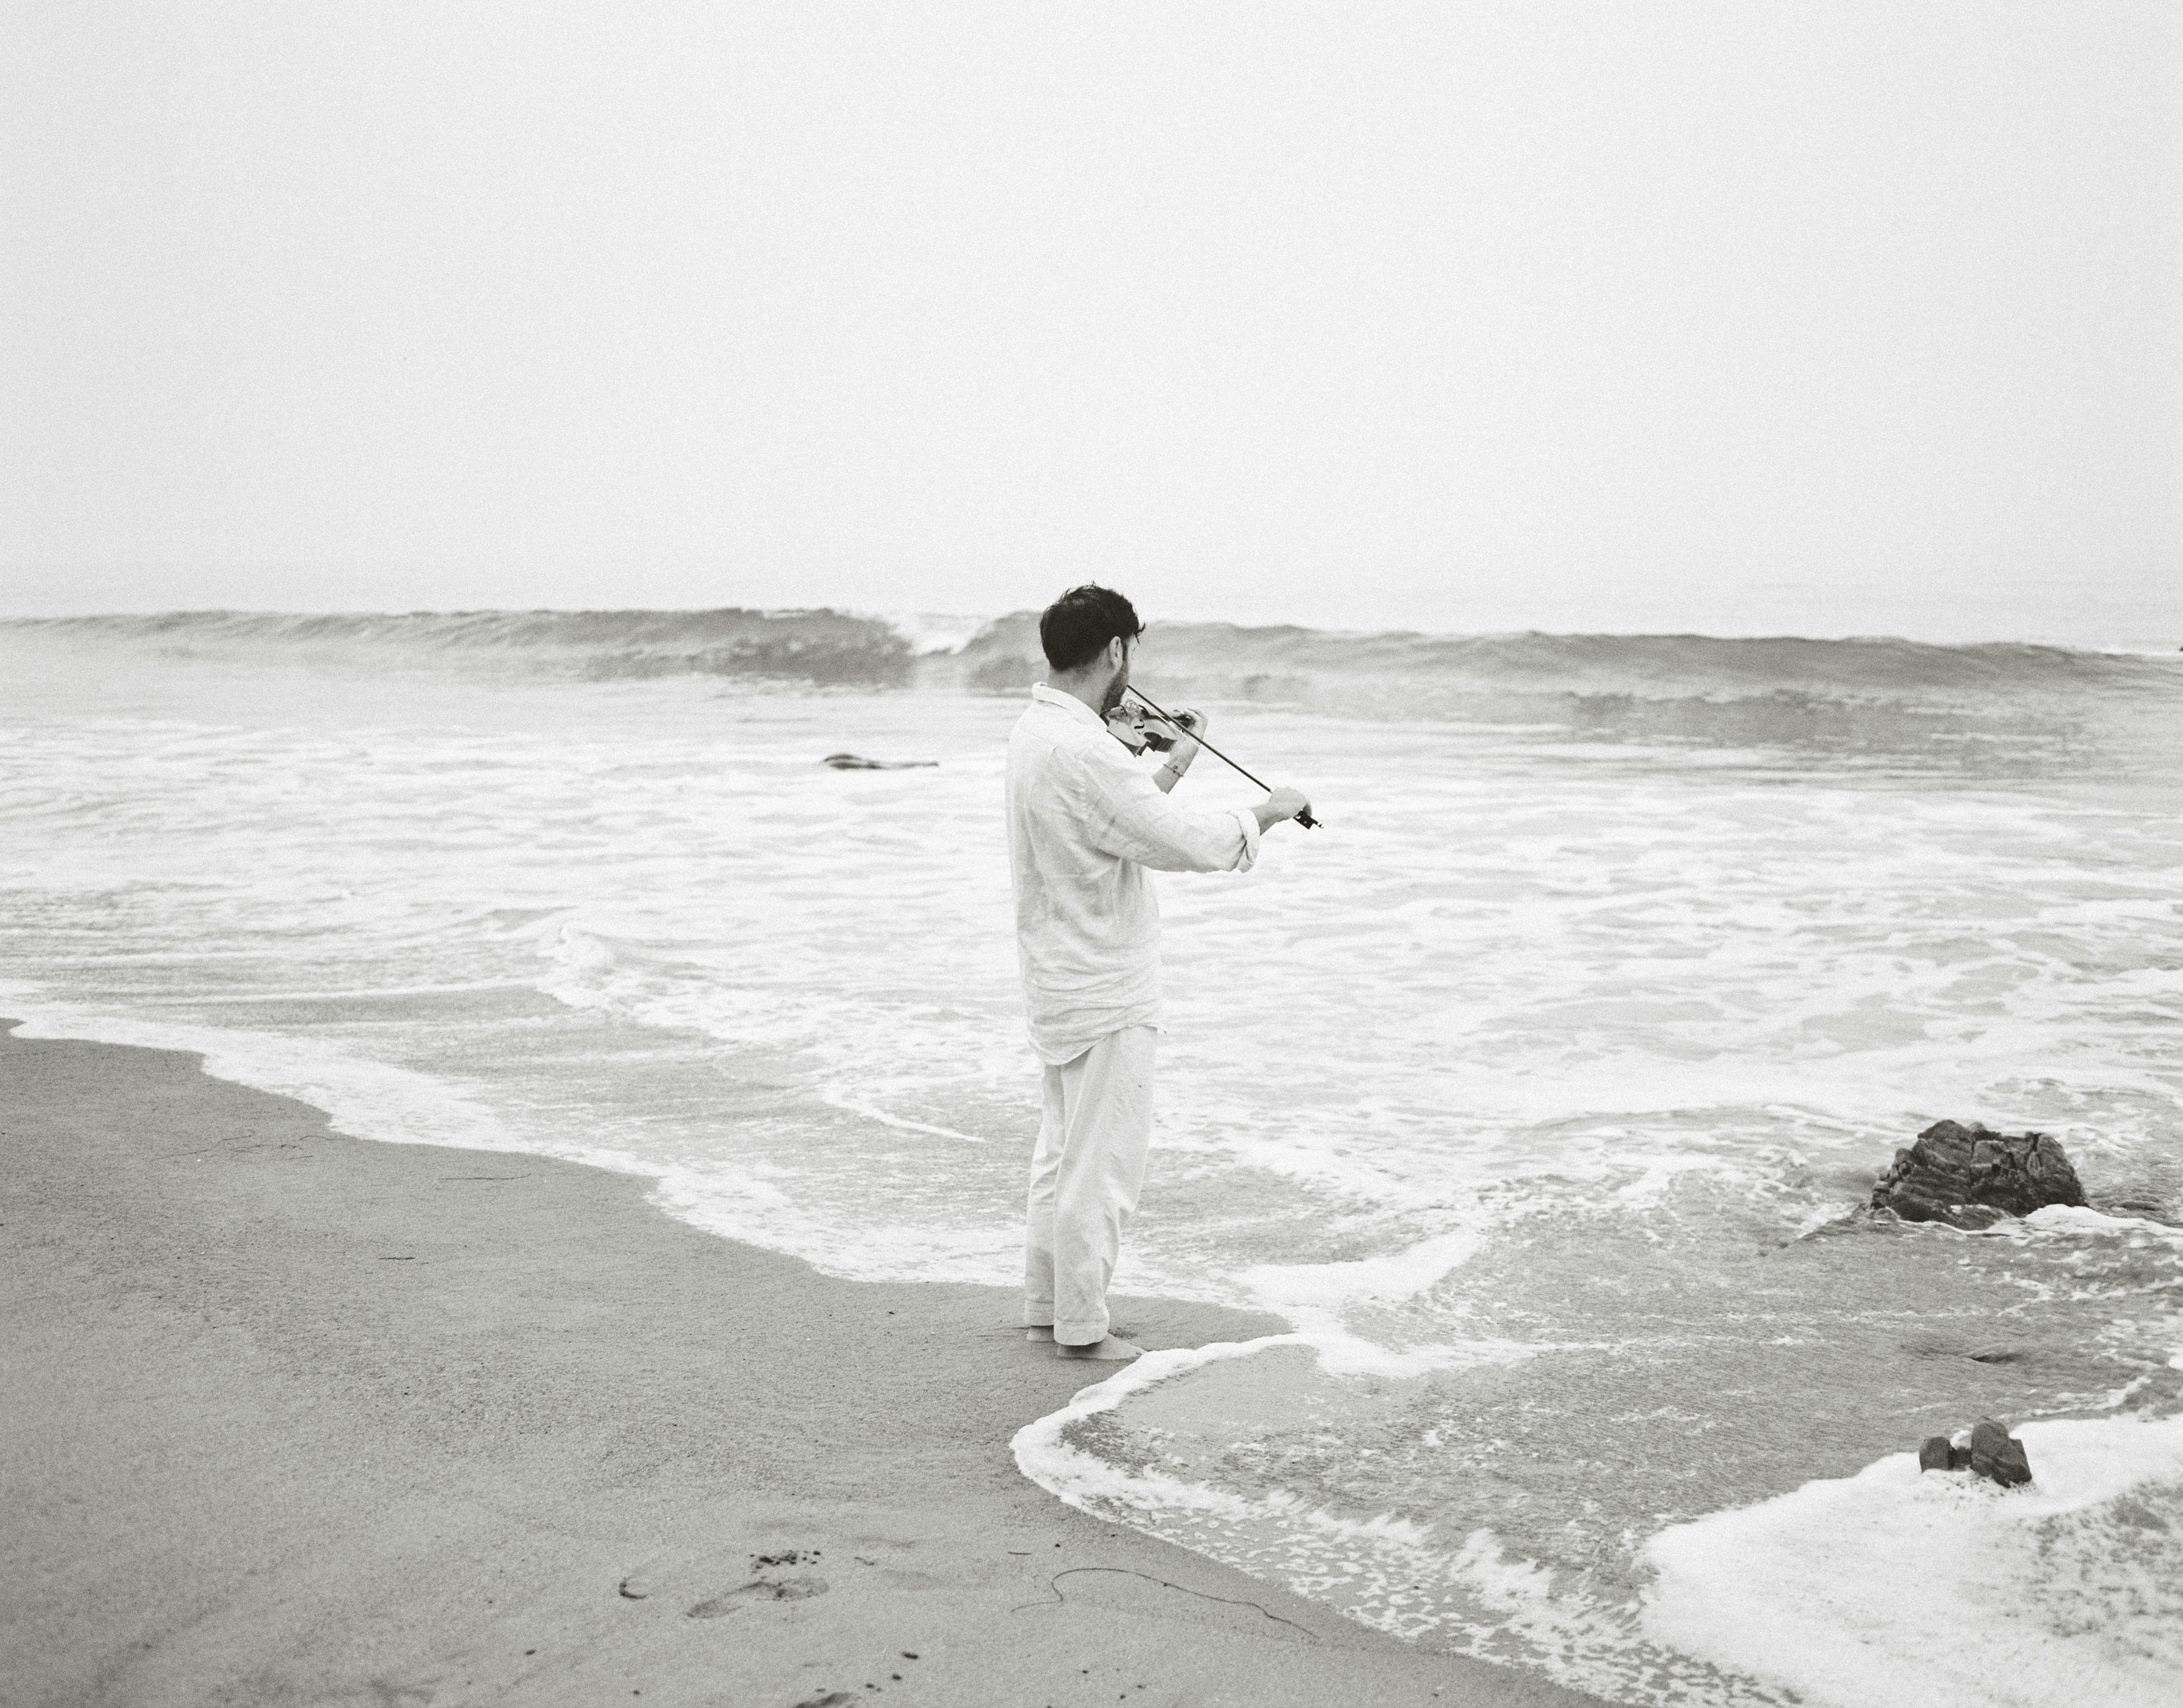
x=292, y=1417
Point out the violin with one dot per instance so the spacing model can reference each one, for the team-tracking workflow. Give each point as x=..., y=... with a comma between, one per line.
x=1141, y=731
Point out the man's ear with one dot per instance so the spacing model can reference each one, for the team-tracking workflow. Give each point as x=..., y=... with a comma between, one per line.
x=1117, y=650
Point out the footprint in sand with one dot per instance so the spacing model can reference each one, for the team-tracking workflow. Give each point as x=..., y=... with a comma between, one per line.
x=758, y=1589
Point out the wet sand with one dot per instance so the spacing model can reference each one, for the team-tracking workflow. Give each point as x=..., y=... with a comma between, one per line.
x=290, y=1417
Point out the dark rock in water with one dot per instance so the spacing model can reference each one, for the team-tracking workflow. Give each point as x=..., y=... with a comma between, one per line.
x=1996, y=1454
x=1993, y=1452
x=1971, y=1177
x=1989, y=1435
x=856, y=762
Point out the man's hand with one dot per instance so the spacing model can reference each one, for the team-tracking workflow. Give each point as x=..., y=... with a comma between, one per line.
x=1282, y=803
x=1192, y=724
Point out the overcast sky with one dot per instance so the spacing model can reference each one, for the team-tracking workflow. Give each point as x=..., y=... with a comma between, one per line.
x=1842, y=318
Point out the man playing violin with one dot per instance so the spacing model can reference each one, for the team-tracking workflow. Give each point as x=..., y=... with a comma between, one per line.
x=1086, y=824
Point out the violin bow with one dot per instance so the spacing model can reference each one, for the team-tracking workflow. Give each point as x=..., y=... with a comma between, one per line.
x=1304, y=818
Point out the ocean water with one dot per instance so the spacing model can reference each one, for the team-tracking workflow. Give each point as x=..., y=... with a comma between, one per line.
x=1539, y=1092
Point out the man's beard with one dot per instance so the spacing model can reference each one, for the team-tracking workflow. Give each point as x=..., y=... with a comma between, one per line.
x=1111, y=701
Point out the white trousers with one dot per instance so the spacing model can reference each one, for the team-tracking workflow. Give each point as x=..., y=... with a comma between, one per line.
x=1084, y=1176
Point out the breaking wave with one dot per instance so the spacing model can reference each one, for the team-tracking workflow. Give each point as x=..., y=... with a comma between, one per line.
x=826, y=647
x=1885, y=697
x=1881, y=697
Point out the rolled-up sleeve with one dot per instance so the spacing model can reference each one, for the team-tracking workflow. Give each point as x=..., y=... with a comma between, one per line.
x=1125, y=815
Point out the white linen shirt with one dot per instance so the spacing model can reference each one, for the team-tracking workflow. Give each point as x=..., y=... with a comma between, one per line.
x=1084, y=822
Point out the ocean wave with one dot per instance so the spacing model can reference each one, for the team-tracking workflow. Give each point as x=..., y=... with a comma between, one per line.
x=1004, y=653
x=2005, y=701
x=1881, y=697
x=823, y=645
x=1665, y=665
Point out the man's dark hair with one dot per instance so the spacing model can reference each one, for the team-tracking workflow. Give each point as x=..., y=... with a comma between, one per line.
x=1075, y=626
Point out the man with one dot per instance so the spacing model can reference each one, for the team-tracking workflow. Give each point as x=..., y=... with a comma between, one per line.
x=1086, y=821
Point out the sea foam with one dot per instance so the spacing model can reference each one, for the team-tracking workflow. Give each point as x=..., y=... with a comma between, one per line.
x=1894, y=1589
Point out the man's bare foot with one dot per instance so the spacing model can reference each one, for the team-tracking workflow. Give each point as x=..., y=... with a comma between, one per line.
x=1040, y=1331
x=1108, y=1351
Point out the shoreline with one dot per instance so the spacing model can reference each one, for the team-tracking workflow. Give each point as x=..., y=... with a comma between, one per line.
x=293, y=1416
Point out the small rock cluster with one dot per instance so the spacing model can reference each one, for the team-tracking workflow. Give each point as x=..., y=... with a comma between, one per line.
x=1993, y=1452
x=1971, y=1177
